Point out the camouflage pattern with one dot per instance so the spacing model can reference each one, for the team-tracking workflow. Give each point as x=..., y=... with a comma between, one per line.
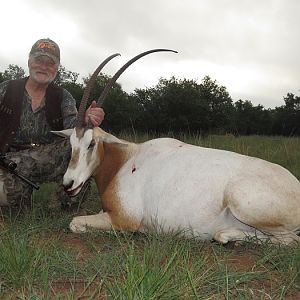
x=47, y=158
x=46, y=47
x=45, y=163
x=41, y=164
x=34, y=128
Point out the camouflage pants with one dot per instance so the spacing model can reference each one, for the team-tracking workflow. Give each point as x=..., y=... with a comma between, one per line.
x=41, y=164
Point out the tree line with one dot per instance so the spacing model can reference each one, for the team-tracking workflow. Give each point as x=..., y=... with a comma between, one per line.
x=180, y=106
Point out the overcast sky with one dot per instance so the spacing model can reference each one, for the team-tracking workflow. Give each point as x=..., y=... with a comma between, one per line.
x=249, y=46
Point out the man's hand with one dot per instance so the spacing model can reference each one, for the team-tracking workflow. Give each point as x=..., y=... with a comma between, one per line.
x=94, y=114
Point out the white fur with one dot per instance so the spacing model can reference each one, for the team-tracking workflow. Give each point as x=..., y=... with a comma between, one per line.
x=213, y=194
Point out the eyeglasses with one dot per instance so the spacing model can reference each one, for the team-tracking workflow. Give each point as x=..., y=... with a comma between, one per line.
x=47, y=62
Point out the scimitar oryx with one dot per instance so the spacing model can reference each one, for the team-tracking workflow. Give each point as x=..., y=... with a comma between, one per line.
x=215, y=194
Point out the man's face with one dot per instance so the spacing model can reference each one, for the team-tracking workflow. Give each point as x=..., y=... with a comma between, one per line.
x=42, y=69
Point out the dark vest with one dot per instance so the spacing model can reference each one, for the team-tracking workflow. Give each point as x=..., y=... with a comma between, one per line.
x=11, y=109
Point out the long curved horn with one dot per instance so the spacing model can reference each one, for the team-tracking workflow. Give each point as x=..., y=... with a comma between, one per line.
x=87, y=91
x=121, y=70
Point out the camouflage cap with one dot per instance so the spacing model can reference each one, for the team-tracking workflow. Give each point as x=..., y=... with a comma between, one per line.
x=46, y=47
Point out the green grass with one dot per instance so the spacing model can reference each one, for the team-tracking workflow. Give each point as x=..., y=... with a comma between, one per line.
x=41, y=259
x=20, y=262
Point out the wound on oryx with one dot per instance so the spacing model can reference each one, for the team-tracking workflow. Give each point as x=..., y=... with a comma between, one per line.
x=133, y=168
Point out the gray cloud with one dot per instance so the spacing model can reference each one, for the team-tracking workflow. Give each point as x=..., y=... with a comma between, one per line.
x=250, y=46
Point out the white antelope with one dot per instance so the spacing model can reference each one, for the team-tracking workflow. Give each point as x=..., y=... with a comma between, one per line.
x=208, y=193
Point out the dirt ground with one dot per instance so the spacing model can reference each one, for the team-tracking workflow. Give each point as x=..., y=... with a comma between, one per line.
x=238, y=260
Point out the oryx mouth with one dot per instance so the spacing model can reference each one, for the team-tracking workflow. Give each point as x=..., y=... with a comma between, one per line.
x=74, y=192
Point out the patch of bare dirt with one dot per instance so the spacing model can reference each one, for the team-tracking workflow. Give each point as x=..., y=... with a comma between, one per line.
x=76, y=242
x=80, y=289
x=241, y=262
x=294, y=297
x=237, y=258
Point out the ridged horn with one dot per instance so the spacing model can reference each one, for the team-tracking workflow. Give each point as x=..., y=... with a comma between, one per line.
x=87, y=91
x=112, y=81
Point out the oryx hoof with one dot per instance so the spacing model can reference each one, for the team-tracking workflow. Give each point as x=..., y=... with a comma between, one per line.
x=78, y=225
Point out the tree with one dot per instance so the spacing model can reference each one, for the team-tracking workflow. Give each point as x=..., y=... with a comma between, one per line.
x=185, y=106
x=173, y=105
x=219, y=102
x=249, y=119
x=287, y=117
x=179, y=105
x=292, y=102
x=120, y=109
x=12, y=72
x=67, y=79
x=64, y=76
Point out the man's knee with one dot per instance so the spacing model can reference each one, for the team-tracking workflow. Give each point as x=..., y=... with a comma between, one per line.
x=41, y=164
x=45, y=163
x=14, y=192
x=3, y=195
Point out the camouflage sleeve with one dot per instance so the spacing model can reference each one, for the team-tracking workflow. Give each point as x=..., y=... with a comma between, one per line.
x=3, y=87
x=69, y=111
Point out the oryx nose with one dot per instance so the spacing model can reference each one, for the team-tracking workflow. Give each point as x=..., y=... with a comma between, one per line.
x=68, y=185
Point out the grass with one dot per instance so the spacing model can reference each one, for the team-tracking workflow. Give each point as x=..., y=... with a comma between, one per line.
x=20, y=261
x=41, y=259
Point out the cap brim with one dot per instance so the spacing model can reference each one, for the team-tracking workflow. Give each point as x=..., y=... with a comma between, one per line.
x=42, y=53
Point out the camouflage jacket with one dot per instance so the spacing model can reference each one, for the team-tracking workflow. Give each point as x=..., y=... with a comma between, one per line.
x=34, y=128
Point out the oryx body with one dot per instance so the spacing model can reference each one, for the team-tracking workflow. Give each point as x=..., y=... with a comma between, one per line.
x=209, y=193
x=205, y=192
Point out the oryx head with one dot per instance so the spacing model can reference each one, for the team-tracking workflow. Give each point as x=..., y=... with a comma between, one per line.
x=85, y=140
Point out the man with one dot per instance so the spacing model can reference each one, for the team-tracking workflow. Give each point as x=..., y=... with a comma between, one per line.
x=29, y=109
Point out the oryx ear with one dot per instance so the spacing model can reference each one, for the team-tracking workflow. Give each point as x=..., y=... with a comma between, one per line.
x=64, y=133
x=110, y=139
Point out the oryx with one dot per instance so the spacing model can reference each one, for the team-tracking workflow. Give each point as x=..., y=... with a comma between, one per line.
x=208, y=193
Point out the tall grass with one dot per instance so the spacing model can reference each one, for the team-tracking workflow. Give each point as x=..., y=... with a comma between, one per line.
x=162, y=269
x=21, y=263
x=41, y=259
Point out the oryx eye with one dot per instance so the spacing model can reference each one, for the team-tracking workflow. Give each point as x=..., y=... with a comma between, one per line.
x=92, y=144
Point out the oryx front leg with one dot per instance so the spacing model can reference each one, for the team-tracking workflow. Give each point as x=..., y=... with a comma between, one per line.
x=82, y=224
